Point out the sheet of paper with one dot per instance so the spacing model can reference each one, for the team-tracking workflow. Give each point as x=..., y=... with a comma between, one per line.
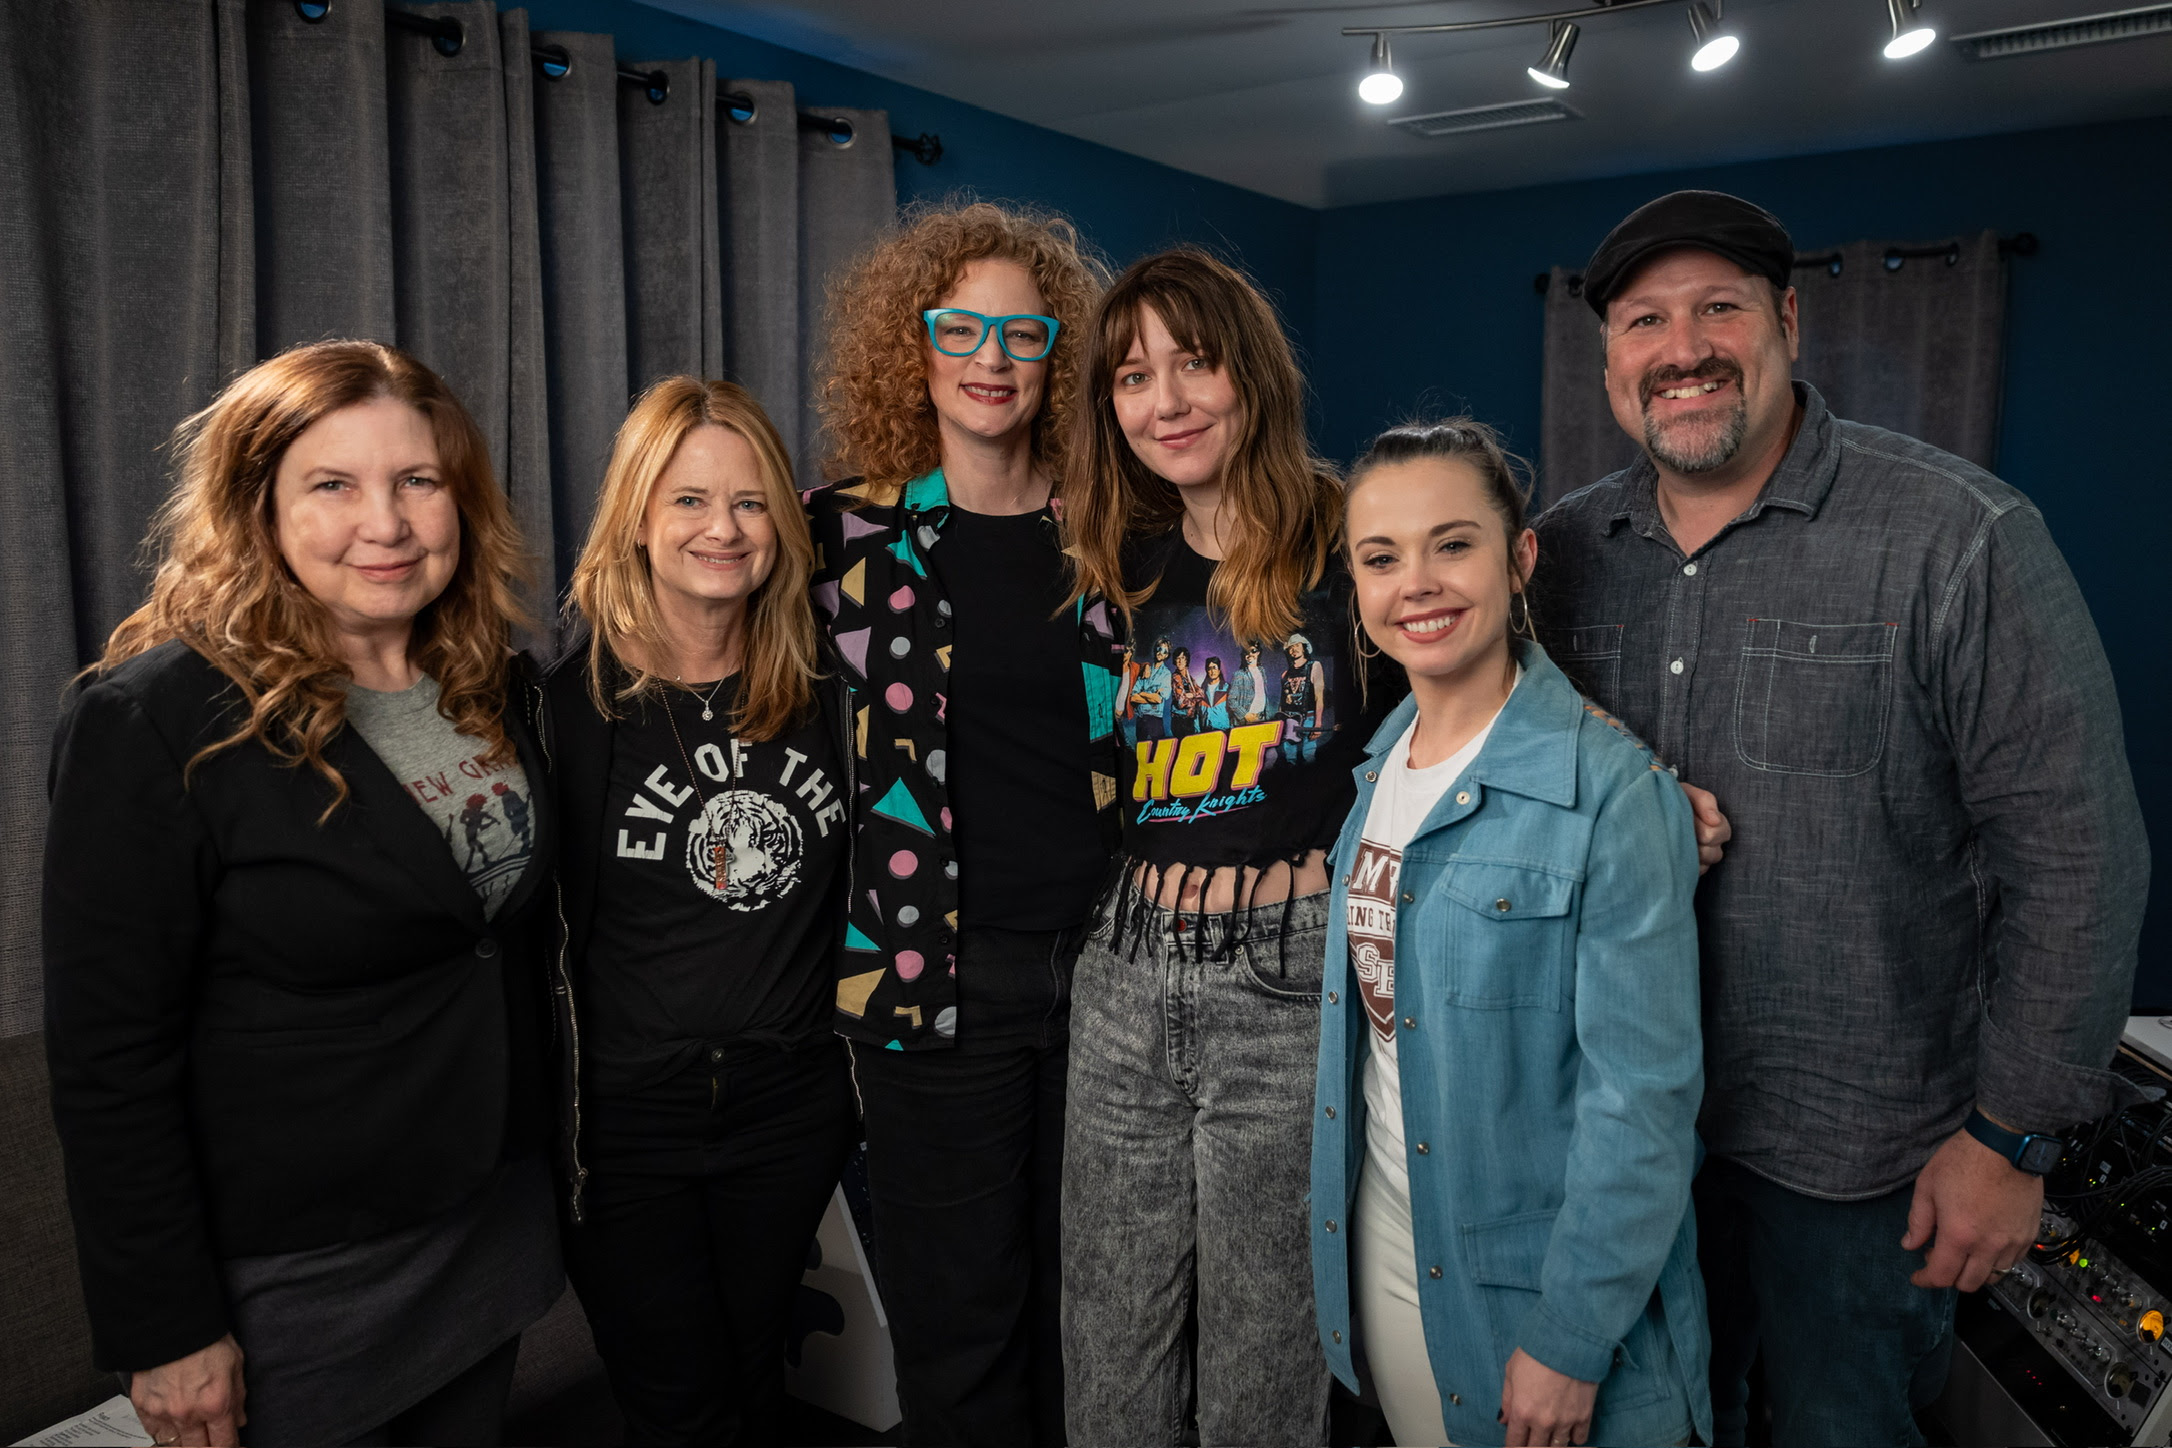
x=112, y=1424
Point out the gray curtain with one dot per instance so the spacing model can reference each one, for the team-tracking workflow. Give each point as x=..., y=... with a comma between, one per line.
x=187, y=186
x=1911, y=343
x=847, y=199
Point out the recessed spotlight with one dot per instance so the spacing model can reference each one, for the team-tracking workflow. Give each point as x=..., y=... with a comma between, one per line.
x=1910, y=35
x=1381, y=86
x=1715, y=47
x=1552, y=71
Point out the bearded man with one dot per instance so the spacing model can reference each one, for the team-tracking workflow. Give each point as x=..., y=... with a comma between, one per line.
x=1919, y=952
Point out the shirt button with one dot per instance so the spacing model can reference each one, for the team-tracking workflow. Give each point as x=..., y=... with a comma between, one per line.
x=716, y=1053
x=1423, y=1149
x=1689, y=570
x=1410, y=1023
x=1675, y=667
x=485, y=948
x=1463, y=796
x=1433, y=1272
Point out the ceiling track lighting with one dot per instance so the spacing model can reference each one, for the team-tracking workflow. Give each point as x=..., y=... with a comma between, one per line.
x=1715, y=45
x=1552, y=71
x=1910, y=35
x=1381, y=86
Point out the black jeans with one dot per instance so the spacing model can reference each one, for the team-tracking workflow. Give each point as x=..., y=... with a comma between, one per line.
x=964, y=1171
x=1852, y=1348
x=703, y=1196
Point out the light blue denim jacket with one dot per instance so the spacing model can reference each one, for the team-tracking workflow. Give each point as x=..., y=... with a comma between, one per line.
x=1546, y=1000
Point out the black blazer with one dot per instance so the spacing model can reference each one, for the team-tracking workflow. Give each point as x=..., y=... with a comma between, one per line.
x=265, y=1034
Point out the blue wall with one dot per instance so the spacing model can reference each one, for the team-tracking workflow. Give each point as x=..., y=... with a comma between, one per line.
x=1430, y=304
x=1125, y=205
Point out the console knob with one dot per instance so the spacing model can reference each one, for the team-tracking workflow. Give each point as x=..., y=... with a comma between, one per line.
x=2040, y=1303
x=2119, y=1380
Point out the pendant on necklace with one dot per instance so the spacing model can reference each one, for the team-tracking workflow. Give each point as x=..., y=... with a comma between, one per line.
x=705, y=712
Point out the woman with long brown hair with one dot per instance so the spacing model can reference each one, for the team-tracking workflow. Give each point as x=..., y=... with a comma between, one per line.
x=292, y=931
x=702, y=772
x=1194, y=503
x=983, y=699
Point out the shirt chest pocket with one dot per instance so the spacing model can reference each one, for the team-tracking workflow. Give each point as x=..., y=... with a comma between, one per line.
x=1814, y=698
x=1510, y=935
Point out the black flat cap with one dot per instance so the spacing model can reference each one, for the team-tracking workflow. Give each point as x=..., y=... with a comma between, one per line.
x=1742, y=231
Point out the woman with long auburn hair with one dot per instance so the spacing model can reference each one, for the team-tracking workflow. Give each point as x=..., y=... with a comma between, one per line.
x=983, y=696
x=293, y=931
x=1194, y=503
x=702, y=769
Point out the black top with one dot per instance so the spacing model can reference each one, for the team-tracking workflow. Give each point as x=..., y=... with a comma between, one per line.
x=267, y=1033
x=1030, y=849
x=716, y=908
x=1239, y=754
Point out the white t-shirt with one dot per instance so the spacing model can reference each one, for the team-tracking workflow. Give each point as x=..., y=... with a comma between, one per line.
x=1402, y=798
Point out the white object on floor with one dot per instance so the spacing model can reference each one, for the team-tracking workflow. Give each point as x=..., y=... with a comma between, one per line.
x=848, y=1373
x=112, y=1424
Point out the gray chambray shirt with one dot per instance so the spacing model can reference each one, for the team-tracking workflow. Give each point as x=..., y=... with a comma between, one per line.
x=1885, y=672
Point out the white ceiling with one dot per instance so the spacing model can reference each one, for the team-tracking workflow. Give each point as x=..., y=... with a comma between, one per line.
x=1263, y=95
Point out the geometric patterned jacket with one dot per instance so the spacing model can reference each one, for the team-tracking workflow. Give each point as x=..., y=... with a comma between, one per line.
x=890, y=623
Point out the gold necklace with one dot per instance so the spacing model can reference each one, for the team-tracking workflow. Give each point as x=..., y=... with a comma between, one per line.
x=720, y=845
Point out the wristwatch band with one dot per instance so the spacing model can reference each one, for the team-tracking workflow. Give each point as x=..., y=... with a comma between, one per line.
x=2033, y=1152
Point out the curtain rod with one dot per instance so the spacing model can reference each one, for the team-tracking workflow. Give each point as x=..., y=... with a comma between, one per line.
x=448, y=35
x=2020, y=244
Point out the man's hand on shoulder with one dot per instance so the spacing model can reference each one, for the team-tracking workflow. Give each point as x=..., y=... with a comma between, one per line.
x=1977, y=1211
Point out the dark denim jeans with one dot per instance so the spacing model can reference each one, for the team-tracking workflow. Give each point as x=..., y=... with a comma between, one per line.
x=703, y=1197
x=1192, y=1066
x=964, y=1167
x=1852, y=1349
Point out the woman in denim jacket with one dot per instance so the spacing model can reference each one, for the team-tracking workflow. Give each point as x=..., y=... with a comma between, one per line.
x=1504, y=1134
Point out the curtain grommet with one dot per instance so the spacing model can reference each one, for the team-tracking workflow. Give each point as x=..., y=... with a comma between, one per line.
x=313, y=12
x=555, y=61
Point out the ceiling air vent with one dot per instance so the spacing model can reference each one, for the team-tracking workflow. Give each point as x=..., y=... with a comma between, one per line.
x=2061, y=34
x=1486, y=118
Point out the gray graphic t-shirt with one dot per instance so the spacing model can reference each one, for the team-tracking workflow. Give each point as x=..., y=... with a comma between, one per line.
x=482, y=809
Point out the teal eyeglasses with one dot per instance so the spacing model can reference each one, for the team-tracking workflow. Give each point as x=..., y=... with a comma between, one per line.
x=1023, y=336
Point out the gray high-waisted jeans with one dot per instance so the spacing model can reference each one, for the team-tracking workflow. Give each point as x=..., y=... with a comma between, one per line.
x=1193, y=1043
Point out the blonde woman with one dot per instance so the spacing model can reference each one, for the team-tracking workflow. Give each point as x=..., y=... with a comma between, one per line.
x=984, y=697
x=293, y=931
x=700, y=766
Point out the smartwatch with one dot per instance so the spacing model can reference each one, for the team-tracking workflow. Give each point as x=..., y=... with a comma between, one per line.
x=2033, y=1153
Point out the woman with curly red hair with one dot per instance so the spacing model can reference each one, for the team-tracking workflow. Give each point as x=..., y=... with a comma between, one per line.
x=294, y=931
x=983, y=702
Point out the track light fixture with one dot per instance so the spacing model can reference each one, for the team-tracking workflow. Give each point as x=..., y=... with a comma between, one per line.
x=1715, y=46
x=1381, y=86
x=1910, y=34
x=1552, y=71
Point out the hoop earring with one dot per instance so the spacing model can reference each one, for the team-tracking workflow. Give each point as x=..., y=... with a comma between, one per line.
x=1357, y=636
x=1521, y=627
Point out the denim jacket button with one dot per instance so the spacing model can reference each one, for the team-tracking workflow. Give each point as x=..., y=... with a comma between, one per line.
x=1503, y=906
x=1336, y=1334
x=1463, y=796
x=1424, y=1150
x=1456, y=1399
x=1371, y=775
x=1332, y=997
x=1433, y=1272
x=1330, y=1113
x=1331, y=1224
x=1410, y=1023
x=1408, y=898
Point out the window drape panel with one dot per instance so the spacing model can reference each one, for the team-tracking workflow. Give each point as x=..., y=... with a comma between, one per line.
x=187, y=186
x=1917, y=347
